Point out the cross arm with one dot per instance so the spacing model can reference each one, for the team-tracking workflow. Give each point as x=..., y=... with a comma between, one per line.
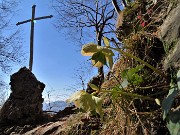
x=44, y=17
x=23, y=22
x=37, y=18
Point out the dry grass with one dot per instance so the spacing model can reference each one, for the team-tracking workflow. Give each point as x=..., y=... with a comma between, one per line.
x=128, y=116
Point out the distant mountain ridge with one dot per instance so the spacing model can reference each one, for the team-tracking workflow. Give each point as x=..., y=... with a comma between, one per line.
x=55, y=106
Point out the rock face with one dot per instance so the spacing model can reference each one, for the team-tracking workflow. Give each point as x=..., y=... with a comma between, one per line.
x=170, y=34
x=24, y=106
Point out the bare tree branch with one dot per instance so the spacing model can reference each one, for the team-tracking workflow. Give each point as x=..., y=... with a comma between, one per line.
x=10, y=42
x=77, y=15
x=83, y=16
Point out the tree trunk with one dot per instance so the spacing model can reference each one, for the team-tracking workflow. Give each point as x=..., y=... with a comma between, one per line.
x=124, y=3
x=100, y=70
x=116, y=7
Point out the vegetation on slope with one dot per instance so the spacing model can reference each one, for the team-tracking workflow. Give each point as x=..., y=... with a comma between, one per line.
x=140, y=96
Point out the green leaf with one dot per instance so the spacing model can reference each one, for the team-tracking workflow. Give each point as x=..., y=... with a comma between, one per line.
x=86, y=101
x=168, y=101
x=132, y=76
x=124, y=73
x=106, y=41
x=75, y=96
x=82, y=100
x=136, y=79
x=107, y=51
x=98, y=57
x=174, y=128
x=89, y=49
x=98, y=102
x=173, y=123
x=94, y=87
x=97, y=63
x=108, y=56
x=132, y=71
x=109, y=59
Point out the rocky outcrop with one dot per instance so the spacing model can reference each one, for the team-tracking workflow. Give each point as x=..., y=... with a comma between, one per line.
x=170, y=35
x=24, y=106
x=67, y=111
x=25, y=102
x=72, y=125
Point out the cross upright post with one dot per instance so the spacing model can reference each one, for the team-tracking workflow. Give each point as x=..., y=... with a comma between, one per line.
x=32, y=33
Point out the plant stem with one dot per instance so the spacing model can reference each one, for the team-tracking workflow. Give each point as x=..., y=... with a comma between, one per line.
x=138, y=59
x=129, y=94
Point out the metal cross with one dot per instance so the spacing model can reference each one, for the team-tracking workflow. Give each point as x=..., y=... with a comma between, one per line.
x=32, y=32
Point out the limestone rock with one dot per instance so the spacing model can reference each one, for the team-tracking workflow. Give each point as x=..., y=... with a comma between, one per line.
x=170, y=35
x=24, y=106
x=171, y=26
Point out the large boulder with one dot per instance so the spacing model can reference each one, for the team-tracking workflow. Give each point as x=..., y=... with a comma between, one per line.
x=24, y=106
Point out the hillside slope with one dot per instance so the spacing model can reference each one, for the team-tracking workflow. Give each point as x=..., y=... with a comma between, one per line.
x=153, y=37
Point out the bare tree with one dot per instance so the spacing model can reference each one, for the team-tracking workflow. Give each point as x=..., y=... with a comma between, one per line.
x=10, y=42
x=86, y=16
x=3, y=92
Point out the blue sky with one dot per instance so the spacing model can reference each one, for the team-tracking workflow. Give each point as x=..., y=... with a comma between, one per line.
x=55, y=57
